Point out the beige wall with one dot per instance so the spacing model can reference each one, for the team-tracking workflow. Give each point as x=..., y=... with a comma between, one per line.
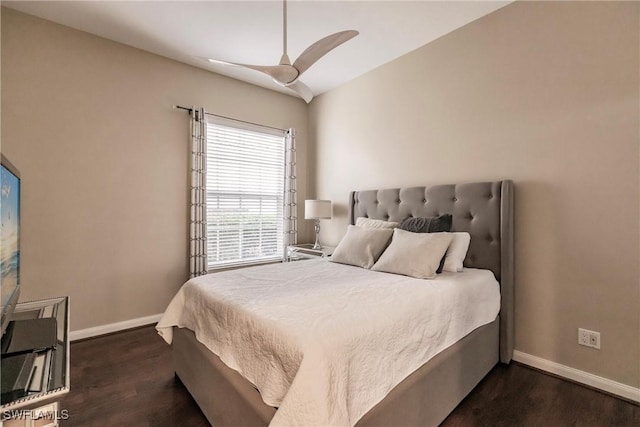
x=545, y=94
x=104, y=159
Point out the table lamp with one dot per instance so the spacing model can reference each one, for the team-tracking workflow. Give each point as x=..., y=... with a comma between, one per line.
x=317, y=210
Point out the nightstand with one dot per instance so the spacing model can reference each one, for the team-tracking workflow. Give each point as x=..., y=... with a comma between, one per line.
x=306, y=251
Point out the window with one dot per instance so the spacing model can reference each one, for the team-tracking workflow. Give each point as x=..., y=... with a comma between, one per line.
x=245, y=189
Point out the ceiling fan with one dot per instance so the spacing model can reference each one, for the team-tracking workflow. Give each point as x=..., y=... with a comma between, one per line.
x=286, y=74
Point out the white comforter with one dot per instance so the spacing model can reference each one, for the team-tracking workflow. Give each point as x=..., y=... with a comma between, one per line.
x=326, y=342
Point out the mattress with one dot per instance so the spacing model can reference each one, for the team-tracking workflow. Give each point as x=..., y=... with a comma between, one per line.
x=326, y=342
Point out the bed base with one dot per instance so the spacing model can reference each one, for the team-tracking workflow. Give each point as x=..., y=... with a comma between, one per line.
x=424, y=398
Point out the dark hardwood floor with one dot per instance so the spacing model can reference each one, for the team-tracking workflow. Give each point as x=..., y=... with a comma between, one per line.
x=126, y=379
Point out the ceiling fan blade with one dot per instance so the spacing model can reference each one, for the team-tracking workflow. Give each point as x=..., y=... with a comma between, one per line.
x=302, y=90
x=321, y=48
x=280, y=73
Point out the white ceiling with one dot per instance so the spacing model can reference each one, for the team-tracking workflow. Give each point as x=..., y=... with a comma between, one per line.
x=251, y=31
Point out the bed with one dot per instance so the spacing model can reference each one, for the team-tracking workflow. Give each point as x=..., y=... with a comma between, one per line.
x=428, y=394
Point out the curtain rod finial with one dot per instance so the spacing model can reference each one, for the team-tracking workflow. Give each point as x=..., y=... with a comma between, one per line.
x=180, y=107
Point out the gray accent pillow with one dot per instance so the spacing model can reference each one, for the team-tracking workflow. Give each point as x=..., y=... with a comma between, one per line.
x=414, y=254
x=361, y=246
x=432, y=224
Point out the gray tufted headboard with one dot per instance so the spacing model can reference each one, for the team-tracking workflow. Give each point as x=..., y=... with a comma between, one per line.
x=483, y=209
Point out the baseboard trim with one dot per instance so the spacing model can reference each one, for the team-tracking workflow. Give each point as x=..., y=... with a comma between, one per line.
x=113, y=327
x=579, y=376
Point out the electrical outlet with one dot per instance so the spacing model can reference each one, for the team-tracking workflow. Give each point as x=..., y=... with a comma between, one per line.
x=589, y=338
x=583, y=337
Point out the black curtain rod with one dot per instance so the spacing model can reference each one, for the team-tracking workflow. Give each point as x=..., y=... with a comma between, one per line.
x=189, y=109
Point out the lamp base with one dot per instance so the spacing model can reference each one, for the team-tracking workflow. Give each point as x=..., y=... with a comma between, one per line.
x=317, y=246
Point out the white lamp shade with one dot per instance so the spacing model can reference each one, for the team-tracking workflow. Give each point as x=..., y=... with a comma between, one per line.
x=317, y=209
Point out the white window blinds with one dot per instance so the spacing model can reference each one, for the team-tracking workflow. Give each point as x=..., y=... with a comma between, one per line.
x=245, y=186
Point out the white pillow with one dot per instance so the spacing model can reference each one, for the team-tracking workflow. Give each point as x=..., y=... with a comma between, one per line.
x=361, y=246
x=457, y=252
x=375, y=223
x=414, y=254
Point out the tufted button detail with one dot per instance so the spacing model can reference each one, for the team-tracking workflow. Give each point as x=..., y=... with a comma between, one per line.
x=455, y=199
x=424, y=200
x=490, y=196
